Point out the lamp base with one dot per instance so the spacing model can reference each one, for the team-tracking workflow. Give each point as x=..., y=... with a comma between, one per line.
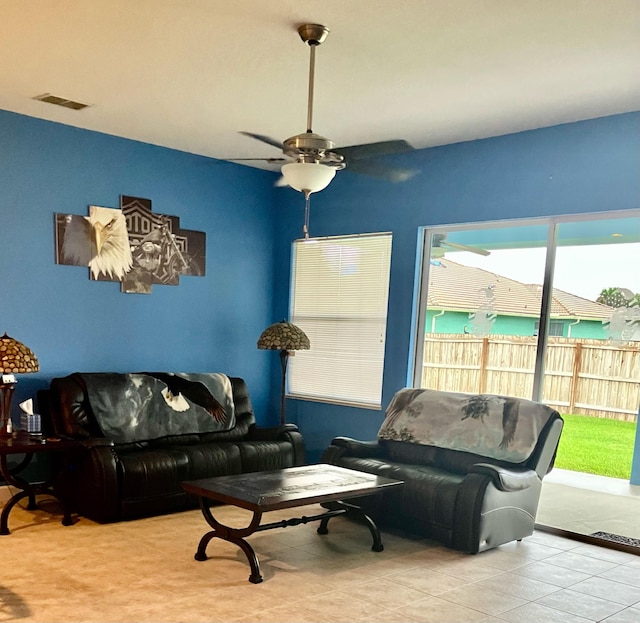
x=6, y=394
x=284, y=356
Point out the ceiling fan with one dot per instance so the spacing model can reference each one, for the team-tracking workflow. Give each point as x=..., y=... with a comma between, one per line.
x=312, y=160
x=440, y=245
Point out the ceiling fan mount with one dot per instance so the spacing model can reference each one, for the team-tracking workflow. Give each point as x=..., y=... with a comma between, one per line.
x=313, y=34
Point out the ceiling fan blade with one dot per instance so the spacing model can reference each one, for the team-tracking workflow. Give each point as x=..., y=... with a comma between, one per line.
x=258, y=159
x=373, y=150
x=265, y=139
x=281, y=182
x=464, y=247
x=440, y=240
x=380, y=170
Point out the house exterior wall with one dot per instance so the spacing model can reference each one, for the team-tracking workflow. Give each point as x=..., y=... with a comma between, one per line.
x=459, y=322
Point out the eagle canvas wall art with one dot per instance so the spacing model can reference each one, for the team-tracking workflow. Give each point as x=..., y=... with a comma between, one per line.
x=131, y=245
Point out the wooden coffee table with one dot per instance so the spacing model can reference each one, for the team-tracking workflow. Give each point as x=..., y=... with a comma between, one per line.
x=261, y=492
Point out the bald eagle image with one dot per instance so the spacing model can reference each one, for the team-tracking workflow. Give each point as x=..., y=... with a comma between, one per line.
x=99, y=241
x=179, y=388
x=399, y=403
x=477, y=407
x=510, y=412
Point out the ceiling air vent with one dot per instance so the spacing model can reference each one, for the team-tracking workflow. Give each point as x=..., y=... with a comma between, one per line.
x=60, y=101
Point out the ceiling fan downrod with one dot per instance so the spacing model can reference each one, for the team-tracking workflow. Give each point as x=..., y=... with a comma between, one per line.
x=310, y=147
x=313, y=35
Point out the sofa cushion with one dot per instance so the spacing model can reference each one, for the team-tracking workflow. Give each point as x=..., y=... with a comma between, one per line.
x=258, y=456
x=151, y=473
x=207, y=460
x=244, y=422
x=498, y=427
x=406, y=452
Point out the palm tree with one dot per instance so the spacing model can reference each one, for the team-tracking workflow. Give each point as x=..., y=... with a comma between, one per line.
x=614, y=297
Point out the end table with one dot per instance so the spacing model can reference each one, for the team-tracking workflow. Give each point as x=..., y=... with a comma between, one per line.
x=29, y=445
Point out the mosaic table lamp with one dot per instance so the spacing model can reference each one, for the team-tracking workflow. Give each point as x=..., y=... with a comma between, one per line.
x=15, y=358
x=285, y=337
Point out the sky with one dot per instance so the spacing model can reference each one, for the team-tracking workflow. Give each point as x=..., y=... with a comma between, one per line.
x=580, y=270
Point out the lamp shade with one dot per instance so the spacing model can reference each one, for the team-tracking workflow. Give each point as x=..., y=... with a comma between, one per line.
x=307, y=176
x=15, y=357
x=283, y=336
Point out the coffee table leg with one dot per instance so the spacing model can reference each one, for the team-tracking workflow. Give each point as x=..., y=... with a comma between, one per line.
x=256, y=576
x=233, y=535
x=356, y=510
x=375, y=533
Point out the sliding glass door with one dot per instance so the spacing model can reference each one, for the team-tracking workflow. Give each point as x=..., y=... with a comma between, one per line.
x=547, y=309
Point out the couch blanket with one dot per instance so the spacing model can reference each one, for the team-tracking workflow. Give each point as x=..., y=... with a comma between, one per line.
x=150, y=405
x=500, y=427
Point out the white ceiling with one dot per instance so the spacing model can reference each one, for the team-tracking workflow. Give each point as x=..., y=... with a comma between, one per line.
x=191, y=74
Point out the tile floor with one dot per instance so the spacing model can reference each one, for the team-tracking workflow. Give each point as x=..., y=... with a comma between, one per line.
x=145, y=571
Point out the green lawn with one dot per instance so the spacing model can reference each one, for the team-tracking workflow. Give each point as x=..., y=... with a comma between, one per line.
x=596, y=446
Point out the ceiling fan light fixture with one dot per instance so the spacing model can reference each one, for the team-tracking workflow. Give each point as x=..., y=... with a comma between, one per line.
x=307, y=177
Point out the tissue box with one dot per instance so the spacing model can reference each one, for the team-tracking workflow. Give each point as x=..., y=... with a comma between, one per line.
x=30, y=422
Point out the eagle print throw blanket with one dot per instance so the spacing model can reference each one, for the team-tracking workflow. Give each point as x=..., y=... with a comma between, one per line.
x=499, y=427
x=150, y=405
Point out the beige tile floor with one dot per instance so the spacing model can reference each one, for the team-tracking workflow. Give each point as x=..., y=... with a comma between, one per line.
x=145, y=571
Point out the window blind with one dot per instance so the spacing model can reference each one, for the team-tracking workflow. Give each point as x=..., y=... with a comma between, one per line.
x=340, y=290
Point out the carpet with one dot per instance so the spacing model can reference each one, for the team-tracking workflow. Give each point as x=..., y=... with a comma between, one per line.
x=616, y=538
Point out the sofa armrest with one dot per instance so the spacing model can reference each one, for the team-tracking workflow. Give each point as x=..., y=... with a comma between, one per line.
x=354, y=447
x=506, y=479
x=89, y=481
x=97, y=442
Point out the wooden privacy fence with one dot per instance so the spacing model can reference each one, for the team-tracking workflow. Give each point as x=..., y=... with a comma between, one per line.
x=590, y=377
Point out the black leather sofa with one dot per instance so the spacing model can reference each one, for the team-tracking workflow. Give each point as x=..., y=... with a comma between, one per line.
x=469, y=501
x=109, y=480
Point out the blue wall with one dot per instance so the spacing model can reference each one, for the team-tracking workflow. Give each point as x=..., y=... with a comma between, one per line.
x=589, y=166
x=212, y=323
x=72, y=324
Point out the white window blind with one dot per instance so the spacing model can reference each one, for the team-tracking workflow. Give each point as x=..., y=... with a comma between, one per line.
x=340, y=292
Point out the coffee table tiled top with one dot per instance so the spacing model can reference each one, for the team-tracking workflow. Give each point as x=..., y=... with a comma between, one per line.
x=287, y=488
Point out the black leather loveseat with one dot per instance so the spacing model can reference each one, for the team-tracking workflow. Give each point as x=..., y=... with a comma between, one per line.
x=118, y=476
x=472, y=465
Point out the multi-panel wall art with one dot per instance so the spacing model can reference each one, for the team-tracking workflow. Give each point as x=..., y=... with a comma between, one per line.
x=131, y=245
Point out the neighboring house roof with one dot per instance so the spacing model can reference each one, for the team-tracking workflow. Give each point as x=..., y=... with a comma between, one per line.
x=455, y=287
